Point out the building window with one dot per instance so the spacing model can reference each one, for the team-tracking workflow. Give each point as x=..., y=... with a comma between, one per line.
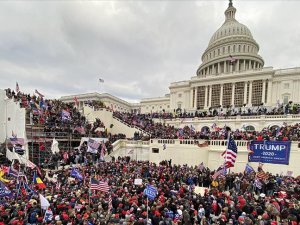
x=193, y=104
x=155, y=150
x=257, y=92
x=168, y=106
x=286, y=86
x=227, y=92
x=228, y=49
x=215, y=95
x=147, y=107
x=239, y=94
x=285, y=99
x=179, y=95
x=152, y=107
x=208, y=93
x=250, y=128
x=200, y=97
x=179, y=105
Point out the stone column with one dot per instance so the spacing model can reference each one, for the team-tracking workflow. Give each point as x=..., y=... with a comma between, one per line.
x=205, y=99
x=269, y=94
x=263, y=91
x=245, y=93
x=210, y=92
x=244, y=66
x=195, y=100
x=237, y=65
x=191, y=98
x=225, y=67
x=221, y=94
x=250, y=94
x=232, y=94
x=219, y=70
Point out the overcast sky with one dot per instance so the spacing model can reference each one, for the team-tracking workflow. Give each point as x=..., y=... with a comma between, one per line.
x=137, y=47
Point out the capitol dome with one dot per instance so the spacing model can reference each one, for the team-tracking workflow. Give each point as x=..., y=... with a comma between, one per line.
x=232, y=48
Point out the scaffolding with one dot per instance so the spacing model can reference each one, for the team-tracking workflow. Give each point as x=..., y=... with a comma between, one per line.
x=39, y=143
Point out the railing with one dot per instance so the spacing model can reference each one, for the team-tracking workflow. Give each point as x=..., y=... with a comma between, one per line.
x=129, y=125
x=238, y=117
x=239, y=143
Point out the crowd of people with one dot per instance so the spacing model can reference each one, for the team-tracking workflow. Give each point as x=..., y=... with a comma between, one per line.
x=252, y=197
x=56, y=116
x=163, y=131
x=232, y=198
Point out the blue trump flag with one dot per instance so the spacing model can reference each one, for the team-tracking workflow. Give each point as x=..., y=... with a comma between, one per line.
x=4, y=191
x=150, y=192
x=276, y=152
x=75, y=173
x=249, y=169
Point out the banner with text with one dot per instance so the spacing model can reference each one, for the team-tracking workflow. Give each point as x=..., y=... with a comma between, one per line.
x=276, y=152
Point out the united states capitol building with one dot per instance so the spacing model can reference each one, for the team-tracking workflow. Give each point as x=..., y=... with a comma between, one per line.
x=232, y=74
x=231, y=77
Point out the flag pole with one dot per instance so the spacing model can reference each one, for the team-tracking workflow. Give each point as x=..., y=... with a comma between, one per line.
x=228, y=138
x=147, y=212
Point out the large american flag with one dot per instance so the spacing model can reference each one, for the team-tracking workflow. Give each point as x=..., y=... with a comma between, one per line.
x=230, y=153
x=262, y=175
x=99, y=185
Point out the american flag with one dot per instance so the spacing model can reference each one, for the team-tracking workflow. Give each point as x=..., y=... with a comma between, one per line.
x=230, y=153
x=99, y=185
x=220, y=171
x=262, y=175
x=30, y=164
x=232, y=59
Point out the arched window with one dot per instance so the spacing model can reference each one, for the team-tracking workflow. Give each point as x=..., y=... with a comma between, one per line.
x=250, y=128
x=239, y=48
x=205, y=129
x=234, y=48
x=228, y=49
x=244, y=48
